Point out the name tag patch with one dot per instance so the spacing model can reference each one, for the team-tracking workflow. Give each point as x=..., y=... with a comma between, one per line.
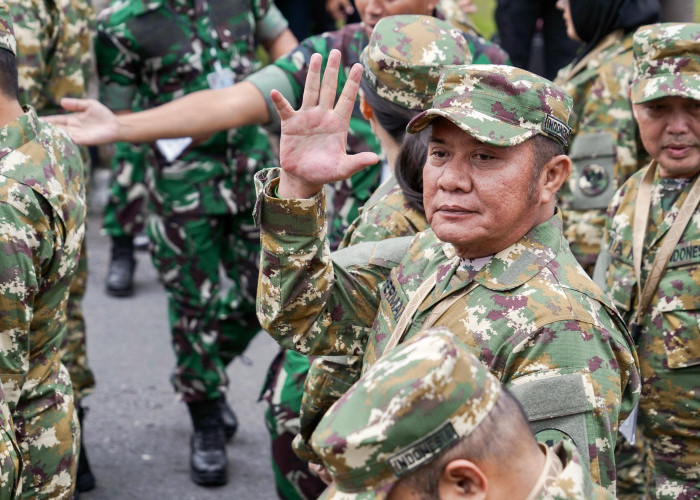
x=686, y=253
x=423, y=451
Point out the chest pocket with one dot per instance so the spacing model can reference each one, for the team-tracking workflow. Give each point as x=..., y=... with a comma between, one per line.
x=233, y=21
x=678, y=301
x=592, y=181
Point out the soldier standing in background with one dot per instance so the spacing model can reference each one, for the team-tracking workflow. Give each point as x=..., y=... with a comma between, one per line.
x=605, y=147
x=651, y=262
x=43, y=212
x=54, y=60
x=149, y=54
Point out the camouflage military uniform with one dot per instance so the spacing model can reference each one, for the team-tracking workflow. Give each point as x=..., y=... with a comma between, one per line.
x=44, y=205
x=384, y=216
x=54, y=61
x=149, y=54
x=288, y=75
x=668, y=342
x=10, y=454
x=417, y=403
x=530, y=313
x=605, y=147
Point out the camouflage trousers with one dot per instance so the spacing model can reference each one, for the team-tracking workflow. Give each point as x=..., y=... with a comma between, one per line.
x=125, y=213
x=48, y=433
x=670, y=417
x=283, y=390
x=212, y=320
x=74, y=354
x=629, y=466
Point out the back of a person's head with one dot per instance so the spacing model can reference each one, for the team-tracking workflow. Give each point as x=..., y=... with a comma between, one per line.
x=595, y=19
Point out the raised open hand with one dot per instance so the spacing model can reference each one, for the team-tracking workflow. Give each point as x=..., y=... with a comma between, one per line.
x=313, y=141
x=91, y=124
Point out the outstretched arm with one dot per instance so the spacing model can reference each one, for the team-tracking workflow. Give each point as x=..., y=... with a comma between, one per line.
x=197, y=114
x=314, y=138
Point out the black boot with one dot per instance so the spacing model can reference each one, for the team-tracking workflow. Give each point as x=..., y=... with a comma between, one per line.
x=228, y=417
x=208, y=463
x=120, y=278
x=85, y=479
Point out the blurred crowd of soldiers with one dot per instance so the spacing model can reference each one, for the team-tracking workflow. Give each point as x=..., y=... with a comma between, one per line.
x=480, y=258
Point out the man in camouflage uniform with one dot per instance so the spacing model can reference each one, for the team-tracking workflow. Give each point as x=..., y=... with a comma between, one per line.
x=54, y=61
x=605, y=147
x=43, y=212
x=148, y=55
x=428, y=420
x=10, y=454
x=666, y=98
x=402, y=64
x=493, y=268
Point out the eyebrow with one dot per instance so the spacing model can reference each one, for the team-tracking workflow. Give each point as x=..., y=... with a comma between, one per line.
x=437, y=140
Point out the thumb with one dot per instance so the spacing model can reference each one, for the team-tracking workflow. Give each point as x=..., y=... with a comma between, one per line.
x=73, y=104
x=354, y=163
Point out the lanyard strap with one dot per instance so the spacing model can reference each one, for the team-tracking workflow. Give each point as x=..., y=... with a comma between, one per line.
x=641, y=216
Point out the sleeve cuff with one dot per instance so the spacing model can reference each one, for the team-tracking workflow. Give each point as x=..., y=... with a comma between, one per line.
x=271, y=25
x=273, y=77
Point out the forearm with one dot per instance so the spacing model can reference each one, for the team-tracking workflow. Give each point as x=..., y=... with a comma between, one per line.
x=196, y=114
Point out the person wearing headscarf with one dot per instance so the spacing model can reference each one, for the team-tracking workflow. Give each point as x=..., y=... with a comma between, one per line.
x=605, y=147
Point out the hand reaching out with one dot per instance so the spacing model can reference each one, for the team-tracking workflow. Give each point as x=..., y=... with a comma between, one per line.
x=91, y=124
x=314, y=138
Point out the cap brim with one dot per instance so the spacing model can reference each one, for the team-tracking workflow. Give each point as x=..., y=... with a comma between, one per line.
x=649, y=89
x=333, y=493
x=476, y=125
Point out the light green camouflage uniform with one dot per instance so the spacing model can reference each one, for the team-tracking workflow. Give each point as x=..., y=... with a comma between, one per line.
x=605, y=145
x=414, y=405
x=534, y=317
x=668, y=64
x=403, y=63
x=54, y=61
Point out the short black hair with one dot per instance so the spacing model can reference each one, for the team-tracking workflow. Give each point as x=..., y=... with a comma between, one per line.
x=9, y=84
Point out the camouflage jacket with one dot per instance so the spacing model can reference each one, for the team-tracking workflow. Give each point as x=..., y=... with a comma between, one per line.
x=43, y=211
x=605, y=145
x=288, y=75
x=567, y=477
x=10, y=455
x=534, y=317
x=669, y=341
x=149, y=53
x=53, y=47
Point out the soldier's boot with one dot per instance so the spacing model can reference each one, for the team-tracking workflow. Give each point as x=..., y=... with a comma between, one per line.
x=228, y=417
x=120, y=277
x=208, y=462
x=85, y=479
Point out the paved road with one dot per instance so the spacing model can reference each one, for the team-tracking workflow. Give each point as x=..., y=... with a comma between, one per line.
x=136, y=432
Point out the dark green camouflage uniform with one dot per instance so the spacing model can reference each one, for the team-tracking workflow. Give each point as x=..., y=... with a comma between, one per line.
x=534, y=317
x=668, y=61
x=149, y=54
x=286, y=389
x=54, y=61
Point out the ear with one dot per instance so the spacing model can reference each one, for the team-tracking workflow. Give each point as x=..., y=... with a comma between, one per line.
x=462, y=479
x=554, y=174
x=365, y=108
x=635, y=109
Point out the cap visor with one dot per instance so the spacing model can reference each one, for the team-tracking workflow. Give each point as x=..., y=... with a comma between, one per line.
x=479, y=125
x=649, y=89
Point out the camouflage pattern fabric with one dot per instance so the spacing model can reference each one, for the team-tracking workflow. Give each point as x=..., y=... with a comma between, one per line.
x=605, y=145
x=669, y=344
x=10, y=454
x=667, y=62
x=54, y=61
x=125, y=213
x=288, y=75
x=533, y=313
x=202, y=199
x=43, y=204
x=472, y=98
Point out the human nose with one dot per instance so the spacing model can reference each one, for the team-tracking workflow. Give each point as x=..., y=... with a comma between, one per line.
x=454, y=177
x=374, y=8
x=678, y=122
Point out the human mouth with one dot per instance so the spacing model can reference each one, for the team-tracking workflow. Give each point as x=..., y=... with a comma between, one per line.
x=678, y=150
x=454, y=210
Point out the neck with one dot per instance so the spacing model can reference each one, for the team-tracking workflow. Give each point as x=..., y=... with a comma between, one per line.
x=516, y=479
x=9, y=110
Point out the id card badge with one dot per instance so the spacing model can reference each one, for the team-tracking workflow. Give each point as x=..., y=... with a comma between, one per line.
x=172, y=148
x=221, y=77
x=628, y=428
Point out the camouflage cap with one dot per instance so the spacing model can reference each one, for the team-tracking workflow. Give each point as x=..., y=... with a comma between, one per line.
x=499, y=105
x=405, y=57
x=407, y=409
x=7, y=36
x=667, y=62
